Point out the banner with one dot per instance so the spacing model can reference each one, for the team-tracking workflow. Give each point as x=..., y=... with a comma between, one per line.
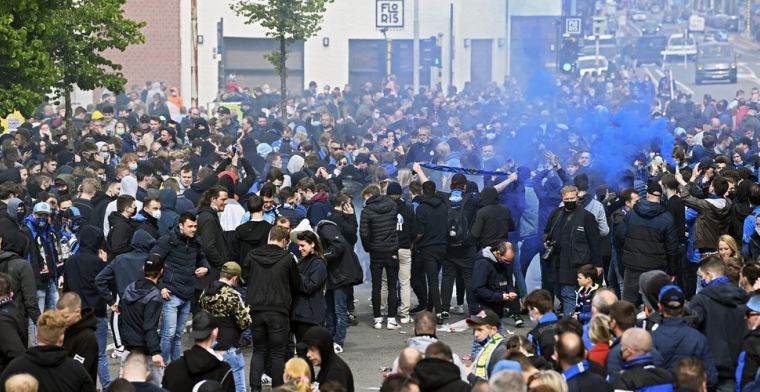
x=461, y=170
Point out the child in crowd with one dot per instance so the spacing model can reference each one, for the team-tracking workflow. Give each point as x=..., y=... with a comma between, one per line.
x=587, y=275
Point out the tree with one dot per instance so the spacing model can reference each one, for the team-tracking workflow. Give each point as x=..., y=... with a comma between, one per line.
x=287, y=21
x=85, y=29
x=26, y=68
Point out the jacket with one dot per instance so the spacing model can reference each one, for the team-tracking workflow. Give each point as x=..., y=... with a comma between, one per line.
x=249, y=236
x=196, y=365
x=140, y=309
x=226, y=305
x=125, y=268
x=615, y=360
x=715, y=311
x=82, y=268
x=599, y=353
x=542, y=336
x=181, y=256
x=169, y=214
x=80, y=343
x=54, y=371
x=14, y=339
x=713, y=220
x=119, y=234
x=583, y=300
x=674, y=340
x=577, y=243
x=749, y=360
x=272, y=278
x=309, y=302
x=581, y=378
x=343, y=267
x=43, y=252
x=421, y=343
x=650, y=239
x=212, y=237
x=347, y=225
x=318, y=208
x=332, y=367
x=430, y=225
x=405, y=224
x=23, y=284
x=145, y=221
x=493, y=221
x=439, y=375
x=295, y=214
x=641, y=374
x=491, y=278
x=377, y=225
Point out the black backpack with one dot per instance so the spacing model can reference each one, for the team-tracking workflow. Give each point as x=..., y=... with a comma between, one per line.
x=456, y=223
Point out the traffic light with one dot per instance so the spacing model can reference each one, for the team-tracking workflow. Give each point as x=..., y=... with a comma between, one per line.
x=430, y=52
x=568, y=55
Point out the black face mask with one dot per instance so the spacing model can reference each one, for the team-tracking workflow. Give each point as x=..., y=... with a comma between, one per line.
x=570, y=205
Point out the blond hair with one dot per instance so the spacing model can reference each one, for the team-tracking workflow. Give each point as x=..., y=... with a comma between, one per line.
x=599, y=329
x=22, y=383
x=298, y=372
x=549, y=379
x=50, y=327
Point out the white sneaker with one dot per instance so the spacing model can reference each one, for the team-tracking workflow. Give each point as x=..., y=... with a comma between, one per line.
x=392, y=324
x=337, y=348
x=405, y=320
x=378, y=323
x=266, y=380
x=458, y=309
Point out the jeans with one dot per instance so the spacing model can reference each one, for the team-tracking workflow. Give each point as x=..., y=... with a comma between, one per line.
x=431, y=258
x=615, y=276
x=270, y=338
x=173, y=318
x=46, y=299
x=454, y=265
x=389, y=264
x=234, y=357
x=517, y=272
x=631, y=286
x=101, y=332
x=567, y=295
x=337, y=312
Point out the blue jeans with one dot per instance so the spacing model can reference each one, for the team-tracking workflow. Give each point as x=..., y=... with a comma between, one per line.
x=567, y=295
x=337, y=312
x=101, y=332
x=173, y=319
x=234, y=357
x=46, y=299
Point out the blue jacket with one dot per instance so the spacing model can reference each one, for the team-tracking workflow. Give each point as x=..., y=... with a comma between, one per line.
x=42, y=240
x=675, y=340
x=615, y=360
x=748, y=229
x=125, y=269
x=181, y=256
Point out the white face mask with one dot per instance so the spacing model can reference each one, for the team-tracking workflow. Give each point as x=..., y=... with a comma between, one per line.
x=157, y=214
x=133, y=166
x=120, y=131
x=105, y=155
x=532, y=316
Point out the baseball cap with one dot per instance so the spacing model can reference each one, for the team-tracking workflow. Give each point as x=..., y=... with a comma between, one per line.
x=73, y=214
x=362, y=158
x=654, y=188
x=203, y=324
x=753, y=305
x=671, y=293
x=233, y=269
x=484, y=317
x=42, y=208
x=223, y=110
x=506, y=365
x=153, y=264
x=393, y=189
x=706, y=163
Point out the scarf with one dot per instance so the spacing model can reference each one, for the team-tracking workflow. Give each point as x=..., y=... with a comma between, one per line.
x=484, y=357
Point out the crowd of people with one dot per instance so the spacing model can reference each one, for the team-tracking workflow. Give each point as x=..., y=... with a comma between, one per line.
x=252, y=230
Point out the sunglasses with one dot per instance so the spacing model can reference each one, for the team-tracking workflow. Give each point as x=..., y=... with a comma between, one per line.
x=342, y=163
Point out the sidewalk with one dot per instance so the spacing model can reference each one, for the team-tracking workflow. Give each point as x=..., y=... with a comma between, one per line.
x=744, y=42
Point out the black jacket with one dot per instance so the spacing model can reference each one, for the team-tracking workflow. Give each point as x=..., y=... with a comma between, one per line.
x=430, y=223
x=125, y=268
x=272, y=279
x=82, y=268
x=138, y=321
x=675, y=340
x=332, y=367
x=576, y=235
x=490, y=280
x=14, y=339
x=249, y=236
x=716, y=313
x=80, y=343
x=493, y=221
x=23, y=284
x=119, y=234
x=197, y=365
x=145, y=221
x=675, y=206
x=343, y=267
x=212, y=238
x=347, y=224
x=439, y=375
x=309, y=302
x=54, y=371
x=641, y=373
x=587, y=381
x=650, y=239
x=377, y=225
x=405, y=226
x=181, y=256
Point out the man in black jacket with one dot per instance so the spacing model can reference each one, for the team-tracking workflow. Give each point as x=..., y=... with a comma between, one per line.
x=437, y=372
x=14, y=339
x=140, y=311
x=147, y=218
x=272, y=279
x=575, y=368
x=252, y=234
x=377, y=228
x=573, y=234
x=120, y=226
x=492, y=280
x=320, y=353
x=79, y=340
x=430, y=243
x=212, y=236
x=48, y=362
x=649, y=239
x=23, y=285
x=639, y=370
x=198, y=363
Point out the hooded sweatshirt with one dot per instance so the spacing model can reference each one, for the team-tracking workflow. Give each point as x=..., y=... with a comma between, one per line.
x=439, y=375
x=493, y=221
x=332, y=367
x=431, y=223
x=80, y=342
x=128, y=187
x=54, y=371
x=124, y=269
x=318, y=208
x=23, y=284
x=197, y=364
x=82, y=268
x=169, y=213
x=141, y=308
x=272, y=278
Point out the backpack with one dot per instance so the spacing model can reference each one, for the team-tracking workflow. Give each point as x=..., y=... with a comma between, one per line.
x=456, y=223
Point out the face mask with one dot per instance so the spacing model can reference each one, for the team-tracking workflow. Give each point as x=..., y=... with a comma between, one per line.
x=490, y=136
x=41, y=223
x=157, y=214
x=267, y=91
x=375, y=115
x=133, y=166
x=570, y=205
x=20, y=216
x=74, y=227
x=120, y=131
x=532, y=317
x=105, y=155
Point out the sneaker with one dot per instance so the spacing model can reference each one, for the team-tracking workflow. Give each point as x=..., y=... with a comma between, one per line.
x=445, y=315
x=117, y=352
x=439, y=319
x=352, y=320
x=392, y=324
x=265, y=379
x=337, y=348
x=378, y=323
x=518, y=320
x=459, y=309
x=405, y=320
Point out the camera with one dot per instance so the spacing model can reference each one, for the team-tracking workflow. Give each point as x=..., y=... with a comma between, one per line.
x=550, y=248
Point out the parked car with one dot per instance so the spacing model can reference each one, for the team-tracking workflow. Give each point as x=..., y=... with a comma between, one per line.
x=678, y=45
x=590, y=64
x=715, y=61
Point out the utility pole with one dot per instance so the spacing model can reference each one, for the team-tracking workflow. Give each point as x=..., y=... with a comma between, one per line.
x=194, y=67
x=388, y=51
x=416, y=47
